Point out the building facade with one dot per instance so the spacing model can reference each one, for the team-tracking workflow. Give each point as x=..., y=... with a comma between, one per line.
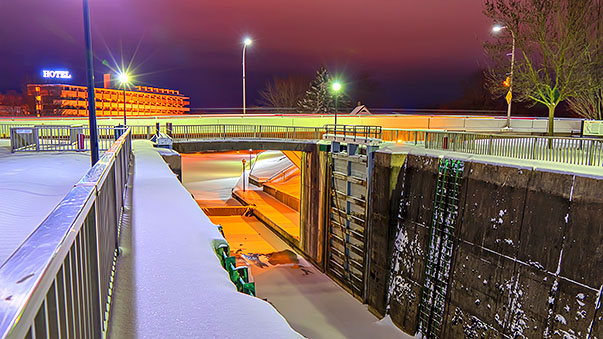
x=71, y=100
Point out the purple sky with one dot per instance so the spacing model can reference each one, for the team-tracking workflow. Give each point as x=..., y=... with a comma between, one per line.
x=418, y=52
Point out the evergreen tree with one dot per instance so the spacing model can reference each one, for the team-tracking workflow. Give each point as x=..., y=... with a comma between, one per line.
x=318, y=98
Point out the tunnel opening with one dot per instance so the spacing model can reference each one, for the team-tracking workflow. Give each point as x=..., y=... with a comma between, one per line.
x=265, y=185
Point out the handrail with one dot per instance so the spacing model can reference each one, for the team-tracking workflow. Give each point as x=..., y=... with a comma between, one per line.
x=570, y=150
x=233, y=131
x=566, y=150
x=58, y=282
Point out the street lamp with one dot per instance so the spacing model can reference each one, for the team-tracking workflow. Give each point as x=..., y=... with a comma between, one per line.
x=336, y=86
x=124, y=79
x=90, y=80
x=246, y=43
x=509, y=96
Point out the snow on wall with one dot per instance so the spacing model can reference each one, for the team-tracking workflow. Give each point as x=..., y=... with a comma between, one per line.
x=404, y=252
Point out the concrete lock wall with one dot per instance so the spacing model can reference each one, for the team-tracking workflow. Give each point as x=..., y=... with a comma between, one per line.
x=527, y=258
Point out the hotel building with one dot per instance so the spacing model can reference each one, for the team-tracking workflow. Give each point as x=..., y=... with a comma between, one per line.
x=71, y=100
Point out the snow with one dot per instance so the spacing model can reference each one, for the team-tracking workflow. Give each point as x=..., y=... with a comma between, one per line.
x=31, y=185
x=270, y=163
x=561, y=319
x=169, y=282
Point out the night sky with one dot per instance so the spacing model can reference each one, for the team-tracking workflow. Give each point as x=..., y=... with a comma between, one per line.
x=417, y=53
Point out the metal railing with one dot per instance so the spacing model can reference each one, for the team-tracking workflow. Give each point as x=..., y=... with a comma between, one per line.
x=355, y=133
x=578, y=151
x=5, y=129
x=60, y=138
x=403, y=135
x=225, y=132
x=57, y=284
x=573, y=151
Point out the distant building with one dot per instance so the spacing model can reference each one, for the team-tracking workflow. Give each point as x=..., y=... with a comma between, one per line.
x=71, y=100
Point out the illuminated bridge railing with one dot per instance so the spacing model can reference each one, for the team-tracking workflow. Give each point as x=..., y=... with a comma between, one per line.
x=574, y=151
x=229, y=132
x=69, y=138
x=566, y=150
x=354, y=133
x=57, y=284
x=60, y=138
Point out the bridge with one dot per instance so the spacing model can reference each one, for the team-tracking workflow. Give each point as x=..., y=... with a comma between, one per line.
x=62, y=281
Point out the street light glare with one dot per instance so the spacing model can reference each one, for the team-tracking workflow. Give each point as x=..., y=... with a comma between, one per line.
x=336, y=86
x=123, y=78
x=497, y=28
x=247, y=41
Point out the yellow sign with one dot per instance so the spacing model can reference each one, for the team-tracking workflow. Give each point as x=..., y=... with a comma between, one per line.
x=509, y=97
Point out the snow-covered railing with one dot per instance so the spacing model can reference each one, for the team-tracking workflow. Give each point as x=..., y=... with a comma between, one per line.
x=229, y=132
x=58, y=283
x=574, y=151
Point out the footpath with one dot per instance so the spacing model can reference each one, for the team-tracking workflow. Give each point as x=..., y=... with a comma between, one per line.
x=169, y=281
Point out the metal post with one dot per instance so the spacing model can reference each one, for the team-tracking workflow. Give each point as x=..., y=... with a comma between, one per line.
x=511, y=81
x=90, y=79
x=244, y=109
x=125, y=106
x=336, y=104
x=243, y=175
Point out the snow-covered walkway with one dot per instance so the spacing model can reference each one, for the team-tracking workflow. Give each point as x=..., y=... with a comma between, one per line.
x=169, y=282
x=31, y=185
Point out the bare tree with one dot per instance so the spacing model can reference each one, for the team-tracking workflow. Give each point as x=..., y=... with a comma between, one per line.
x=13, y=103
x=554, y=41
x=589, y=104
x=284, y=92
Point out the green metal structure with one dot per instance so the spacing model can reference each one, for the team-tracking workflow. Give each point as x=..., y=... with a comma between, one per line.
x=441, y=242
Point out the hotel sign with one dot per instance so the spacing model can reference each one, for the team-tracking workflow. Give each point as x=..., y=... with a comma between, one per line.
x=52, y=74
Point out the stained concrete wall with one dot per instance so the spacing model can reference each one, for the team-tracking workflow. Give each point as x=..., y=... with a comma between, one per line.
x=528, y=249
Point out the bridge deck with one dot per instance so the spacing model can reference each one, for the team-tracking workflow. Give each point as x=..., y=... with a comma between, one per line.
x=169, y=281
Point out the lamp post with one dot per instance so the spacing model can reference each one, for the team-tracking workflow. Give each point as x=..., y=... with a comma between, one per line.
x=90, y=80
x=123, y=80
x=246, y=43
x=509, y=96
x=336, y=86
x=243, y=160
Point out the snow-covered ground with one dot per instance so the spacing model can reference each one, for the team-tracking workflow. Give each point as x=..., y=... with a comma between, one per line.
x=31, y=185
x=169, y=282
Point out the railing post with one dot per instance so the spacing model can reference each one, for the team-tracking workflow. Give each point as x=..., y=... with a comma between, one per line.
x=37, y=136
x=591, y=153
x=490, y=145
x=260, y=131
